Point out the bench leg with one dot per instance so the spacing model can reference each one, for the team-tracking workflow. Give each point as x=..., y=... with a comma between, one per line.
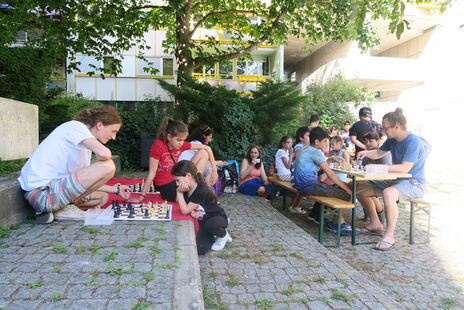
x=339, y=227
x=411, y=223
x=321, y=224
x=284, y=205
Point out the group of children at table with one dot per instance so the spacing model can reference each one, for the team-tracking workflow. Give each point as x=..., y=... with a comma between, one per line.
x=58, y=179
x=306, y=164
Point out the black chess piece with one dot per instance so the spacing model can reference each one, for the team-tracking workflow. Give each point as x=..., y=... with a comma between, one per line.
x=117, y=202
x=146, y=212
x=131, y=213
x=112, y=204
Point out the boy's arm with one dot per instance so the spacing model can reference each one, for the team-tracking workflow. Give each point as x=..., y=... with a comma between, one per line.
x=325, y=167
x=372, y=154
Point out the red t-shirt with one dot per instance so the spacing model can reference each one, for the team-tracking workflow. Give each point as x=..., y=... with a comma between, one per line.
x=159, y=150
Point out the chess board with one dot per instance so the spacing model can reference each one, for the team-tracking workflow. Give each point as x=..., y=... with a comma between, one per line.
x=143, y=212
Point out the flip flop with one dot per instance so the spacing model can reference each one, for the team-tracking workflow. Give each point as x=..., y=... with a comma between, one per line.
x=365, y=231
x=383, y=242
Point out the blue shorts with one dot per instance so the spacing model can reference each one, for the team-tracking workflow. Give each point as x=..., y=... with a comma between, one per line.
x=57, y=194
x=251, y=187
x=407, y=188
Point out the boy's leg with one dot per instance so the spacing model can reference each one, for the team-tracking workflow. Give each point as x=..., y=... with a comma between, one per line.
x=95, y=176
x=326, y=190
x=368, y=204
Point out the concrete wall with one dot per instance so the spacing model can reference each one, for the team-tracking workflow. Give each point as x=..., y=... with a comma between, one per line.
x=14, y=209
x=19, y=123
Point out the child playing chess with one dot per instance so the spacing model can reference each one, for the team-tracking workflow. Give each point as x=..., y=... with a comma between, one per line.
x=309, y=161
x=164, y=154
x=196, y=198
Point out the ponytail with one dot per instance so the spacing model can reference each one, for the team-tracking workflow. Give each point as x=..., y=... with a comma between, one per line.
x=186, y=166
x=172, y=127
x=396, y=117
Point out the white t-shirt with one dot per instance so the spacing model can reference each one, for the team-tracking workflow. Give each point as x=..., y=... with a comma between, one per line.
x=281, y=169
x=188, y=154
x=59, y=155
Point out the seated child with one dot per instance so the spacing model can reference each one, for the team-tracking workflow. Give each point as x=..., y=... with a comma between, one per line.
x=371, y=141
x=284, y=156
x=302, y=136
x=196, y=198
x=310, y=159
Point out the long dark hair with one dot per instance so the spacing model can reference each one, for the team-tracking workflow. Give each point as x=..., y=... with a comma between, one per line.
x=180, y=170
x=282, y=141
x=105, y=114
x=248, y=157
x=200, y=133
x=172, y=127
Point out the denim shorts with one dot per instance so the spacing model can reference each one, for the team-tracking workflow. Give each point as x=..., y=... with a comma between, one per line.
x=57, y=194
x=407, y=188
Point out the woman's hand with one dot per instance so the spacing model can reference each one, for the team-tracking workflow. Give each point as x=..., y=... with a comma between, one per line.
x=220, y=163
x=194, y=214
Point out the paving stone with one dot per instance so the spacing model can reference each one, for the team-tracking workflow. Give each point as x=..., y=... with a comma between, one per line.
x=52, y=305
x=127, y=303
x=23, y=304
x=133, y=292
x=79, y=292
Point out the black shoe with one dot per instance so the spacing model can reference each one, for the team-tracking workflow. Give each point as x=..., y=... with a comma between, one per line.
x=44, y=218
x=314, y=214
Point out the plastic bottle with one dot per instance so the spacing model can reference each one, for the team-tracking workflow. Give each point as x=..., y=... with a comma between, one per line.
x=234, y=188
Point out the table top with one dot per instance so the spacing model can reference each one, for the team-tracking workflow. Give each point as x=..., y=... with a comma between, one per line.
x=362, y=175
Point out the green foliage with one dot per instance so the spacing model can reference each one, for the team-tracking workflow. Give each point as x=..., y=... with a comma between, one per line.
x=9, y=166
x=60, y=109
x=4, y=232
x=136, y=119
x=330, y=100
x=238, y=121
x=59, y=249
x=34, y=285
x=275, y=104
x=24, y=73
x=128, y=21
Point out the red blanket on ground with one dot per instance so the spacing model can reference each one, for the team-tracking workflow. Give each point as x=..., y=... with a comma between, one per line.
x=176, y=214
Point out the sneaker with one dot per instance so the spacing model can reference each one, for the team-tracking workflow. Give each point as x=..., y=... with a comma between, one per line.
x=69, y=213
x=44, y=218
x=220, y=243
x=314, y=213
x=297, y=210
x=345, y=229
x=381, y=216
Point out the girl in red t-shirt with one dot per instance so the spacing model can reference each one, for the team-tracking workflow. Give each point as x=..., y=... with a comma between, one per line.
x=164, y=154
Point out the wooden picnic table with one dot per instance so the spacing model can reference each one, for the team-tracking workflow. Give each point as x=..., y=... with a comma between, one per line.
x=360, y=175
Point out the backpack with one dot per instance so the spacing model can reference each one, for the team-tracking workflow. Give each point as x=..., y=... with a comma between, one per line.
x=229, y=175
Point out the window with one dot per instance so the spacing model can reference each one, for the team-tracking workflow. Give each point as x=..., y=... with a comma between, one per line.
x=108, y=63
x=150, y=66
x=226, y=70
x=168, y=66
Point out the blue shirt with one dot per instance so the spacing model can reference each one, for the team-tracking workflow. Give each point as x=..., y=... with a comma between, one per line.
x=307, y=164
x=410, y=149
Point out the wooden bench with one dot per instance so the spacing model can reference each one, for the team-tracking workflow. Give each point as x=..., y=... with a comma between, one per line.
x=419, y=205
x=332, y=202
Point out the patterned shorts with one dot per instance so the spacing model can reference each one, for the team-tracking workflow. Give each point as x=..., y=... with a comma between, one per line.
x=57, y=194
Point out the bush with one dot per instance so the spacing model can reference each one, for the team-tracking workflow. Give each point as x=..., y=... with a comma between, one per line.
x=9, y=166
x=136, y=119
x=329, y=101
x=61, y=109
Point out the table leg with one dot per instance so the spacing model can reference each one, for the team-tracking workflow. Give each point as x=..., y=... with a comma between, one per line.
x=353, y=214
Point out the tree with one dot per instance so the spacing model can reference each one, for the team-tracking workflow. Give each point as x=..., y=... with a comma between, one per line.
x=107, y=27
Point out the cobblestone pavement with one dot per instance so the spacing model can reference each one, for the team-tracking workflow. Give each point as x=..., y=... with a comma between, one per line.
x=66, y=265
x=272, y=263
x=419, y=276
